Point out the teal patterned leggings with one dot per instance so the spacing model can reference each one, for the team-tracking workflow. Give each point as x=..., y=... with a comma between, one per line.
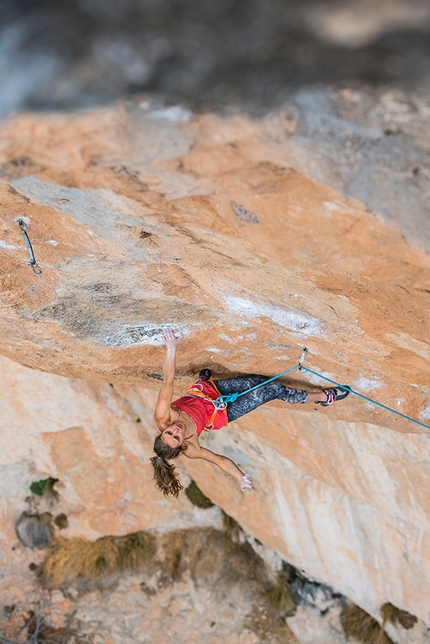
x=248, y=402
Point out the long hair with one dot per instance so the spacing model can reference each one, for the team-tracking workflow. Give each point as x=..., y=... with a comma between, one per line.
x=165, y=475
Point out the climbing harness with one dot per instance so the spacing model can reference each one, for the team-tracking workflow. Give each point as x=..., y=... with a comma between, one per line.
x=34, y=265
x=232, y=397
x=196, y=391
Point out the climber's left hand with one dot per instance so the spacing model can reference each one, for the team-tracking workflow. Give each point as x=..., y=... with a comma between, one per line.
x=246, y=482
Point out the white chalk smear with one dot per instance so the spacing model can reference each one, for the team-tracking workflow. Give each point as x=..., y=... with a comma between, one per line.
x=426, y=412
x=288, y=318
x=316, y=380
x=3, y=244
x=139, y=334
x=366, y=384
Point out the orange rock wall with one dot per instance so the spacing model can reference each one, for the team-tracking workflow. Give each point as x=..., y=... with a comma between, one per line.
x=138, y=222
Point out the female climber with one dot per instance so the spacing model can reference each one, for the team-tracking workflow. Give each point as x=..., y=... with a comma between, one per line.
x=181, y=422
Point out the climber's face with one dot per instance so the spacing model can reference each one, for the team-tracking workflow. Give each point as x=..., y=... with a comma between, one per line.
x=173, y=435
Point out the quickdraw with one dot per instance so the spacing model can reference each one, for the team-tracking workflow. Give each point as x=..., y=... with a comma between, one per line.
x=34, y=265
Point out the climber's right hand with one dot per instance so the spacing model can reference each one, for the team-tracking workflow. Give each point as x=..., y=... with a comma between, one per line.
x=170, y=339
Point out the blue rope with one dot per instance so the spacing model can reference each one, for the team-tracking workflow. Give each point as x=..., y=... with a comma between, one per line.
x=375, y=402
x=223, y=400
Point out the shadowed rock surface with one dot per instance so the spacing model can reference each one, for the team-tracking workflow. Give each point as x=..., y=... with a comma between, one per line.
x=34, y=530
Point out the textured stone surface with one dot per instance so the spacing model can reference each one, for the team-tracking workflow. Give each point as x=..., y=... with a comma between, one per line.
x=144, y=219
x=372, y=145
x=332, y=493
x=88, y=436
x=126, y=249
x=329, y=497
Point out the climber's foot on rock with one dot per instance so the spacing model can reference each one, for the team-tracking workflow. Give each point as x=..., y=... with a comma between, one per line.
x=205, y=374
x=334, y=395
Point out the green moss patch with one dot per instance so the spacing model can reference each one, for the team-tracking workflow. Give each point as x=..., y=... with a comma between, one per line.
x=196, y=496
x=44, y=486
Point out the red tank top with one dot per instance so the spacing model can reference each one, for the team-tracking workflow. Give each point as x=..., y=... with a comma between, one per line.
x=199, y=403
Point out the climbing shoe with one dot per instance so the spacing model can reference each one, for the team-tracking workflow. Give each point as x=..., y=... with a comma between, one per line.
x=334, y=395
x=205, y=374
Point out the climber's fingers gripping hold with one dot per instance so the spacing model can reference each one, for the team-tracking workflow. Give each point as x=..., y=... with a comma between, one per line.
x=170, y=339
x=246, y=482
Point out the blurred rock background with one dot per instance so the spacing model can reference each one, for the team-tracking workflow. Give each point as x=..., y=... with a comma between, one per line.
x=229, y=54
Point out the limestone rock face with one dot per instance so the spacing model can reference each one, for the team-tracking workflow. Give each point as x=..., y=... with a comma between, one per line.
x=142, y=219
x=371, y=145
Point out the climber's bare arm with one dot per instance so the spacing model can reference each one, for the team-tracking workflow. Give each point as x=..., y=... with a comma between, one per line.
x=163, y=410
x=195, y=450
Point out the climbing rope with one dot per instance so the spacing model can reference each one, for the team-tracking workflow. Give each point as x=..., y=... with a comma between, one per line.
x=221, y=401
x=34, y=265
x=375, y=402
